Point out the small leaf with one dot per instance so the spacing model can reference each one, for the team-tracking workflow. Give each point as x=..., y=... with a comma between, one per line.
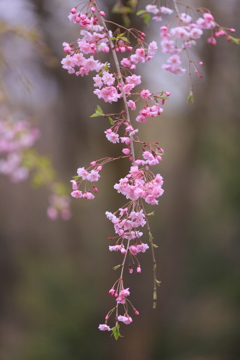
x=141, y=12
x=110, y=120
x=124, y=39
x=190, y=97
x=116, y=267
x=150, y=214
x=158, y=282
x=155, y=246
x=126, y=21
x=235, y=40
x=98, y=112
x=146, y=19
x=116, y=332
x=77, y=178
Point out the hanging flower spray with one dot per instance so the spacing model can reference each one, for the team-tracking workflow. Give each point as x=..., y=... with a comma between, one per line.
x=128, y=49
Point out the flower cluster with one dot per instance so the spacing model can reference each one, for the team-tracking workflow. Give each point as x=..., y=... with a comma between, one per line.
x=140, y=185
x=58, y=205
x=15, y=138
x=189, y=29
x=126, y=225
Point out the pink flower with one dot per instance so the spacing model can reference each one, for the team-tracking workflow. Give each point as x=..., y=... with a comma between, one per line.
x=133, y=249
x=145, y=94
x=152, y=9
x=152, y=48
x=125, y=319
x=77, y=194
x=124, y=292
x=108, y=94
x=112, y=136
x=165, y=10
x=74, y=185
x=83, y=173
x=142, y=247
x=104, y=327
x=131, y=104
x=88, y=195
x=52, y=213
x=116, y=247
x=93, y=176
x=133, y=79
x=120, y=300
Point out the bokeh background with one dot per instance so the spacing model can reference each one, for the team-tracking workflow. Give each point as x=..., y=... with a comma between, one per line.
x=55, y=276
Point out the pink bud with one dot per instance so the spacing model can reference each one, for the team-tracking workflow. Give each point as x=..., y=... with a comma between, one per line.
x=139, y=269
x=102, y=13
x=122, y=49
x=93, y=9
x=99, y=168
x=232, y=30
x=126, y=151
x=73, y=11
x=123, y=250
x=67, y=49
x=136, y=312
x=95, y=189
x=167, y=93
x=107, y=317
x=130, y=158
x=93, y=163
x=200, y=63
x=106, y=49
x=130, y=269
x=111, y=291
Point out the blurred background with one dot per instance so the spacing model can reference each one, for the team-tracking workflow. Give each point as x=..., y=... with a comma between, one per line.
x=55, y=276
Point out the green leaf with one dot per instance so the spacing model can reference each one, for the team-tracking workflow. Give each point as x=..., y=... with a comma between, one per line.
x=190, y=97
x=124, y=39
x=106, y=68
x=158, y=282
x=116, y=267
x=146, y=18
x=235, y=40
x=121, y=9
x=126, y=21
x=98, y=112
x=141, y=12
x=116, y=332
x=111, y=120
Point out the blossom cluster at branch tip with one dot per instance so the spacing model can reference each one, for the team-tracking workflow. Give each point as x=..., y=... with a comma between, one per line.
x=177, y=40
x=15, y=138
